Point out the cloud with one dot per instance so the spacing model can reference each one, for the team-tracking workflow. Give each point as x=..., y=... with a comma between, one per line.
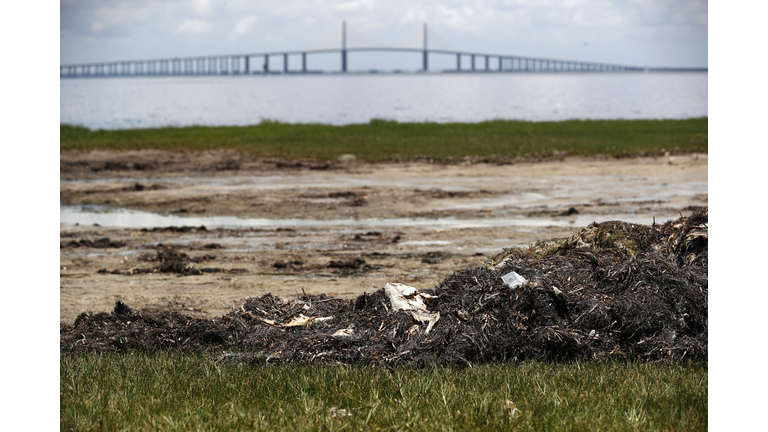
x=108, y=20
x=413, y=16
x=457, y=18
x=242, y=26
x=192, y=27
x=202, y=6
x=355, y=5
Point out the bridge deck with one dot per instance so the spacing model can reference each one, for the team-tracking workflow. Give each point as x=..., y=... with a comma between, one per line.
x=241, y=64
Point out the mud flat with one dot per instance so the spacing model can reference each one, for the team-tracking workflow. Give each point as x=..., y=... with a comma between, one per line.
x=199, y=233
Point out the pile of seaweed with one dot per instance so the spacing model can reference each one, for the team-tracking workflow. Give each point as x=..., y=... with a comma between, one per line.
x=612, y=290
x=169, y=260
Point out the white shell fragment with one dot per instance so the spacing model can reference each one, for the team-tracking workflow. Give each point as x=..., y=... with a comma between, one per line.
x=408, y=298
x=514, y=280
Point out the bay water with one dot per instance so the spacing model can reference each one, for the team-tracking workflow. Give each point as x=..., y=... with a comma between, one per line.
x=149, y=102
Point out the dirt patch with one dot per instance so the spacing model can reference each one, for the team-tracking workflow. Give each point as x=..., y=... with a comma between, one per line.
x=612, y=290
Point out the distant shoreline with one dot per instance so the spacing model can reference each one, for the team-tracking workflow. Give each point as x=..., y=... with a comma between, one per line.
x=390, y=141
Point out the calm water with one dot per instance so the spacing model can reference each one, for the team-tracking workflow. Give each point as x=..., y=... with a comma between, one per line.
x=122, y=218
x=119, y=103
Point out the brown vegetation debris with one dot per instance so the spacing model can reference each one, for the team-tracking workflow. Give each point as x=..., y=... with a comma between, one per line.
x=172, y=261
x=612, y=290
x=102, y=243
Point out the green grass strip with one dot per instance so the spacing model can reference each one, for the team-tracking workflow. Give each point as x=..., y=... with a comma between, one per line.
x=382, y=140
x=173, y=391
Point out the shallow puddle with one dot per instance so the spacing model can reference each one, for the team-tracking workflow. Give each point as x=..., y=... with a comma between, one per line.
x=122, y=218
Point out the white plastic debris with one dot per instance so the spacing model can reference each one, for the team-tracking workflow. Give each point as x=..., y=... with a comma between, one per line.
x=345, y=333
x=404, y=297
x=408, y=298
x=340, y=412
x=514, y=280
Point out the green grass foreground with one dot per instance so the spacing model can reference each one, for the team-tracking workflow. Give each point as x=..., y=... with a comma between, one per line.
x=172, y=391
x=382, y=140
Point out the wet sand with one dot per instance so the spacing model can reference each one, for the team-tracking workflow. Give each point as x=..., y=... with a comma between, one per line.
x=425, y=220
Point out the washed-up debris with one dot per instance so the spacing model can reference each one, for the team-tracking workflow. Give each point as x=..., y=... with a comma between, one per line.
x=345, y=333
x=296, y=321
x=347, y=264
x=611, y=290
x=102, y=243
x=512, y=408
x=514, y=280
x=407, y=298
x=340, y=412
x=172, y=261
x=174, y=229
x=292, y=264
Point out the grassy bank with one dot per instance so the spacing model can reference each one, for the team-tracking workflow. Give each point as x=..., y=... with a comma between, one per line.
x=385, y=140
x=170, y=391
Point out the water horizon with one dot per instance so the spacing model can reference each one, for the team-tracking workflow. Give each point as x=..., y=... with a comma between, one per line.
x=338, y=99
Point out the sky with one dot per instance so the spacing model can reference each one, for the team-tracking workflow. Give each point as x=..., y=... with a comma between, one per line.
x=653, y=33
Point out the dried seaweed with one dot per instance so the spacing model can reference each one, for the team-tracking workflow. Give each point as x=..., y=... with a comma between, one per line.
x=612, y=290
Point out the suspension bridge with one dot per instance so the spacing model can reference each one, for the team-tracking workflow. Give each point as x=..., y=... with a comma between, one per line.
x=248, y=64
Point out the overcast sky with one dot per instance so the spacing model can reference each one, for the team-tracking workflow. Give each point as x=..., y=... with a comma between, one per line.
x=631, y=32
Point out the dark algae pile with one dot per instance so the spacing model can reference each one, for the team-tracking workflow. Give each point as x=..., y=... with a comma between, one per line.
x=612, y=290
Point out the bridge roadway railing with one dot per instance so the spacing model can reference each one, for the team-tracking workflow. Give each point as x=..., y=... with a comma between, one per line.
x=243, y=64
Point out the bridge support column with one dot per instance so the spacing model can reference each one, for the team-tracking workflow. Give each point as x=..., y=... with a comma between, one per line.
x=343, y=46
x=487, y=67
x=458, y=62
x=425, y=60
x=304, y=62
x=285, y=63
x=473, y=62
x=247, y=65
